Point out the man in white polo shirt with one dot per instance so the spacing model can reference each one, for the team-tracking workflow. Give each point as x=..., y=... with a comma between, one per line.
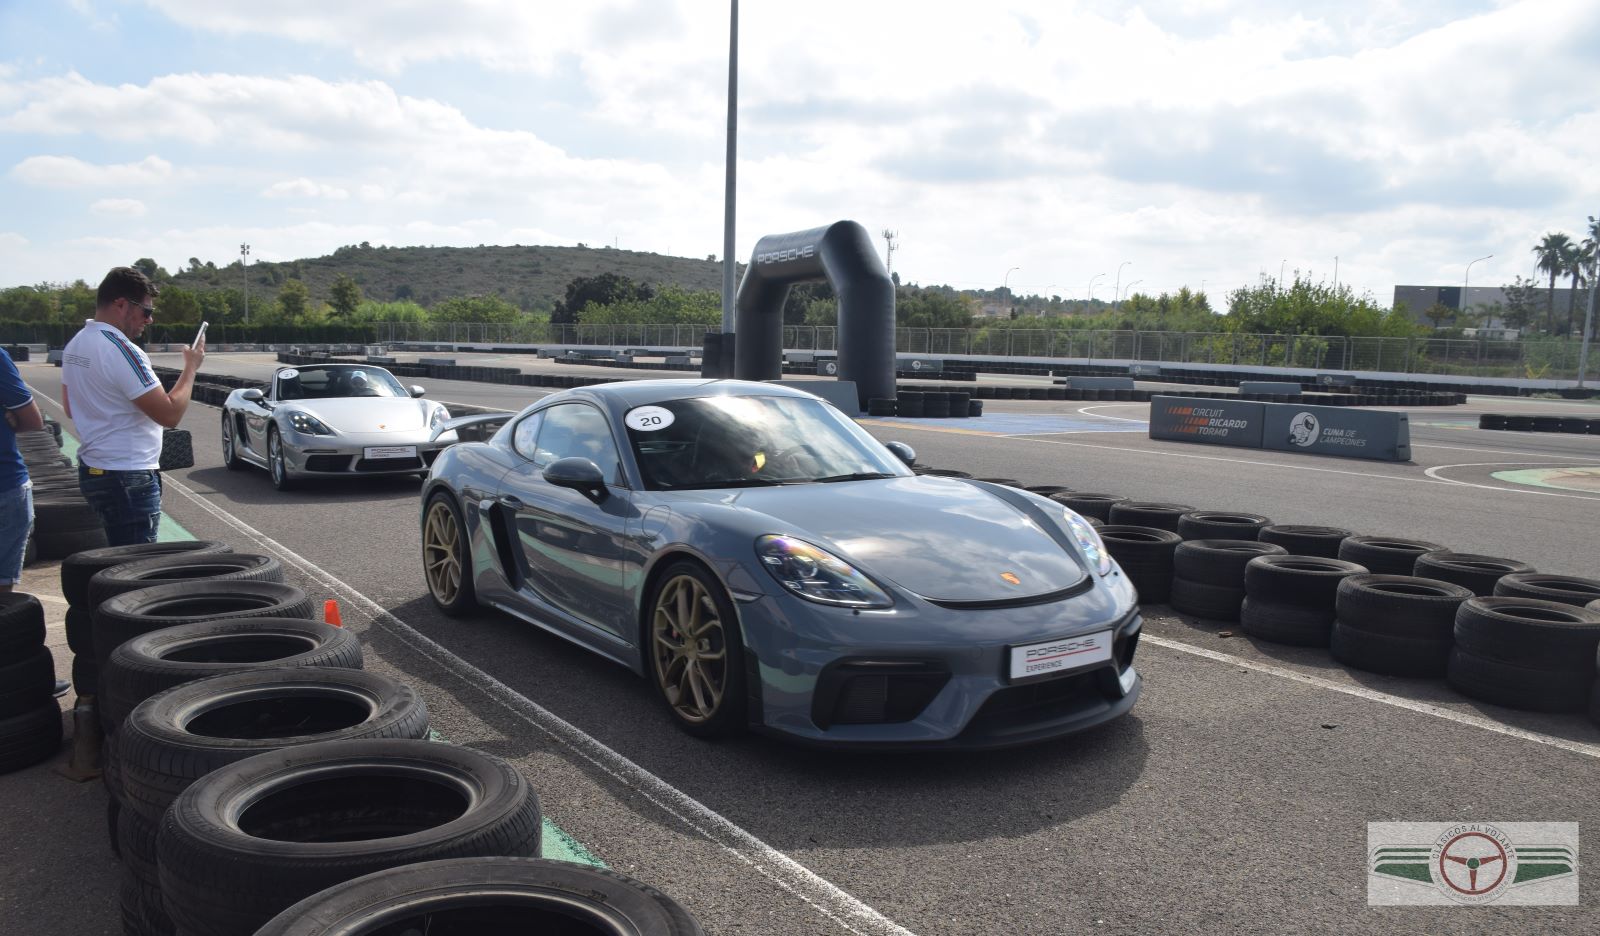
x=120, y=408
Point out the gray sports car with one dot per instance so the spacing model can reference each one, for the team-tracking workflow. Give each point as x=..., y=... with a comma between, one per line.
x=332, y=420
x=765, y=563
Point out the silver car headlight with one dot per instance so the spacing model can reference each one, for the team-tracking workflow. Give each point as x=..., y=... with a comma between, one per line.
x=437, y=417
x=1089, y=542
x=308, y=424
x=817, y=575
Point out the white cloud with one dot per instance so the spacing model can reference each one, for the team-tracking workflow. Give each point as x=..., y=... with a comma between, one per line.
x=71, y=172
x=304, y=188
x=11, y=240
x=119, y=207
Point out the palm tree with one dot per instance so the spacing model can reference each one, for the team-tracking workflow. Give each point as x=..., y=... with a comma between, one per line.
x=1577, y=261
x=1552, y=256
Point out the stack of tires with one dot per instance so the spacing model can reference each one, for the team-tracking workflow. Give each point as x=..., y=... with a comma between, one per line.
x=1386, y=555
x=1208, y=576
x=1148, y=514
x=1398, y=625
x=1469, y=570
x=1301, y=540
x=1090, y=504
x=63, y=522
x=1526, y=653
x=1145, y=555
x=30, y=718
x=1291, y=599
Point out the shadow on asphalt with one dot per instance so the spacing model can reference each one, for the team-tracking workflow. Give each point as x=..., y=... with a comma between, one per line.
x=253, y=486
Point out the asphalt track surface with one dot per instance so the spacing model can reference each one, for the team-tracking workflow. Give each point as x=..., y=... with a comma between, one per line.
x=1234, y=798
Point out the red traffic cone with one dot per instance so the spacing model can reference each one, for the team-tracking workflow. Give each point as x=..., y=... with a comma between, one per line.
x=330, y=613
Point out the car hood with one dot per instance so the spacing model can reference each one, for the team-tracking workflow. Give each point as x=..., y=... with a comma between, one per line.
x=940, y=538
x=368, y=414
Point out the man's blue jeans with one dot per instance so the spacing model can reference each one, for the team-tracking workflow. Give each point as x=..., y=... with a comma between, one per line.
x=128, y=502
x=16, y=522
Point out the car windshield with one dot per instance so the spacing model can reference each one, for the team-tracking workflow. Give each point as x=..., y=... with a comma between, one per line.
x=322, y=383
x=752, y=441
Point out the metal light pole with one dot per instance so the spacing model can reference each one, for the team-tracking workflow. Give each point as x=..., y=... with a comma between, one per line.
x=1005, y=287
x=1464, y=278
x=1117, y=289
x=1090, y=290
x=1129, y=290
x=244, y=263
x=1336, y=272
x=728, y=263
x=1280, y=270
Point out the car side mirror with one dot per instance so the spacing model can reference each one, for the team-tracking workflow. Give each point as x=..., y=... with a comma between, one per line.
x=578, y=473
x=417, y=391
x=252, y=395
x=903, y=452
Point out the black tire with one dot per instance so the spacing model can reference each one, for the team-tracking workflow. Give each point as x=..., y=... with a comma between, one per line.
x=325, y=814
x=1491, y=421
x=113, y=810
x=1517, y=687
x=1400, y=606
x=1007, y=482
x=1148, y=514
x=879, y=406
x=1567, y=589
x=1519, y=423
x=947, y=473
x=1547, y=424
x=65, y=524
x=1219, y=562
x=729, y=717
x=1389, y=654
x=230, y=443
x=488, y=895
x=1385, y=555
x=178, y=736
x=1280, y=622
x=1045, y=490
x=439, y=550
x=1205, y=600
x=1139, y=545
x=1091, y=503
x=141, y=910
x=27, y=682
x=21, y=624
x=909, y=404
x=156, y=661
x=80, y=630
x=1545, y=635
x=1479, y=573
x=184, y=567
x=1221, y=525
x=85, y=675
x=30, y=737
x=936, y=405
x=79, y=568
x=1311, y=581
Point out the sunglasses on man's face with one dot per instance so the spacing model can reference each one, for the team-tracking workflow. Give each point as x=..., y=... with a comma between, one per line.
x=148, y=310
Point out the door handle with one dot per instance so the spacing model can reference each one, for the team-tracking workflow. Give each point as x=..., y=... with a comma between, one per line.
x=512, y=501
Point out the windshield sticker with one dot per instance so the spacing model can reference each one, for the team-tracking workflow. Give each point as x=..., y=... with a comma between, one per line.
x=289, y=374
x=648, y=418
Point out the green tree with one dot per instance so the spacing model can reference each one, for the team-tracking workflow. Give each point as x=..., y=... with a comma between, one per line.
x=1439, y=314
x=605, y=289
x=474, y=309
x=672, y=305
x=151, y=269
x=370, y=311
x=177, y=305
x=344, y=295
x=1552, y=256
x=1521, y=298
x=916, y=307
x=294, y=299
x=27, y=304
x=1578, y=257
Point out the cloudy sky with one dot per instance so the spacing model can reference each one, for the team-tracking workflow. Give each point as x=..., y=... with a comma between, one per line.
x=1201, y=141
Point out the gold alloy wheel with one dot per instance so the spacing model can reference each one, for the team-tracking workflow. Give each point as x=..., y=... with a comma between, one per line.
x=441, y=553
x=690, y=649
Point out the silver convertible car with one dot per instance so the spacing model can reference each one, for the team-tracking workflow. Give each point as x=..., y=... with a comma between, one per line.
x=332, y=420
x=765, y=563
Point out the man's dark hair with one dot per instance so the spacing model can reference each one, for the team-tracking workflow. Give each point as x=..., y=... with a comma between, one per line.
x=125, y=283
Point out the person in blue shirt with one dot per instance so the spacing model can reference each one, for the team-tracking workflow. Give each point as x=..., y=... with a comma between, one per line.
x=16, y=490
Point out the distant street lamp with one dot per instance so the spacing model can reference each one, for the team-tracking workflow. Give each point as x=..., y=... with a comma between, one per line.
x=244, y=262
x=1280, y=270
x=1116, y=289
x=1129, y=291
x=1090, y=289
x=1005, y=286
x=1464, y=278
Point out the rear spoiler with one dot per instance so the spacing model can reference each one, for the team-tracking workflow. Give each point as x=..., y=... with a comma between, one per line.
x=475, y=428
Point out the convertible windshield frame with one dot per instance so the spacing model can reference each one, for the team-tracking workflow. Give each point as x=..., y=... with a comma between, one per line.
x=383, y=384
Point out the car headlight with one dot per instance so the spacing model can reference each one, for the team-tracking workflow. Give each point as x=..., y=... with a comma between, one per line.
x=307, y=423
x=817, y=575
x=1089, y=542
x=437, y=417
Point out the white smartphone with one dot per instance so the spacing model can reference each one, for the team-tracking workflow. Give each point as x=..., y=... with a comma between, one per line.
x=200, y=335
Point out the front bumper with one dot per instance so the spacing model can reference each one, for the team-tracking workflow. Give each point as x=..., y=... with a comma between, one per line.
x=346, y=454
x=932, y=677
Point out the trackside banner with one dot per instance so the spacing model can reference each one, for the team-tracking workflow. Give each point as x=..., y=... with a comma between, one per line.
x=1287, y=427
x=1217, y=422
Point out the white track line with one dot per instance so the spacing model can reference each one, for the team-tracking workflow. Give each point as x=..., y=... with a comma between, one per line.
x=1492, y=487
x=850, y=914
x=1372, y=695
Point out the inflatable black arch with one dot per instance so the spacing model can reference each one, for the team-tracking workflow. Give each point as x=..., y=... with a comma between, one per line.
x=843, y=254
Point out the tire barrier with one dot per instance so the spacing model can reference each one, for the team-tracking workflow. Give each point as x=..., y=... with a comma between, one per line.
x=502, y=895
x=1221, y=525
x=1090, y=503
x=1398, y=625
x=78, y=568
x=1208, y=575
x=1567, y=589
x=1292, y=599
x=1478, y=573
x=1008, y=482
x=1525, y=653
x=1145, y=555
x=251, y=839
x=189, y=566
x=1302, y=540
x=30, y=719
x=1148, y=514
x=1572, y=425
x=1385, y=555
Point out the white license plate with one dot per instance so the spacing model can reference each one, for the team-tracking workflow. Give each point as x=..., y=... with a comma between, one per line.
x=389, y=451
x=1056, y=656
